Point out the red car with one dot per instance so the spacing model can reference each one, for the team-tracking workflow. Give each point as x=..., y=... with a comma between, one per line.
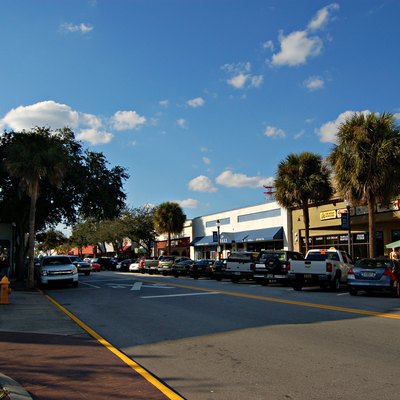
x=96, y=267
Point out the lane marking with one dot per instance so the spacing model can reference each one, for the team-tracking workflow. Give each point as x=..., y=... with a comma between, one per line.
x=179, y=295
x=89, y=284
x=127, y=360
x=293, y=302
x=137, y=286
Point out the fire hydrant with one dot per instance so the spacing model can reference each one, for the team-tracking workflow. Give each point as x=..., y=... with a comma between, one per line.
x=5, y=290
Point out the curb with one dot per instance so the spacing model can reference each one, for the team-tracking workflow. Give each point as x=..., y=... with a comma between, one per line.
x=17, y=392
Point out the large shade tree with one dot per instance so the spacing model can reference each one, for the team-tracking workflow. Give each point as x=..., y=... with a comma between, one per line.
x=301, y=180
x=31, y=158
x=366, y=163
x=170, y=219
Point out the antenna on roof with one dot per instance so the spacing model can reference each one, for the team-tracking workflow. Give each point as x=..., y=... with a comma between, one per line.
x=269, y=193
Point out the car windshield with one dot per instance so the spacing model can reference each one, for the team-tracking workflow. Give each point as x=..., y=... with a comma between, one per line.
x=264, y=257
x=371, y=264
x=75, y=259
x=56, y=261
x=322, y=256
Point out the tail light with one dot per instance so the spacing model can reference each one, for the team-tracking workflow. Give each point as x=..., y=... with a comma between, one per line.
x=252, y=267
x=159, y=263
x=329, y=267
x=287, y=267
x=389, y=272
x=350, y=272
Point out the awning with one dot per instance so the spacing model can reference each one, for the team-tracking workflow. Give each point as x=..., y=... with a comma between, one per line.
x=195, y=240
x=263, y=235
x=205, y=241
x=393, y=245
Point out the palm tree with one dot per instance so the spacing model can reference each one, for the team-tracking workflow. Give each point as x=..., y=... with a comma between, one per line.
x=31, y=158
x=366, y=163
x=302, y=179
x=169, y=218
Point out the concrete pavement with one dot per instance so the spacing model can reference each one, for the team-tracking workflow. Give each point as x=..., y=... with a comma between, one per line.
x=45, y=355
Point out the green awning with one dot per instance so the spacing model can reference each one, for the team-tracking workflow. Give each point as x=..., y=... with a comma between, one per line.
x=393, y=245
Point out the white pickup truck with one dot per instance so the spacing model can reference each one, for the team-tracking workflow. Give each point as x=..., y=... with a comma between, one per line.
x=324, y=267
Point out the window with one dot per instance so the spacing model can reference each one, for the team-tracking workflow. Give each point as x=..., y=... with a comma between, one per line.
x=259, y=215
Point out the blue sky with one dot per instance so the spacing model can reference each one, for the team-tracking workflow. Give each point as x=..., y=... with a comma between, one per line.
x=199, y=99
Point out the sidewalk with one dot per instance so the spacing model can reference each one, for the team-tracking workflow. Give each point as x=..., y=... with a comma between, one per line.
x=46, y=353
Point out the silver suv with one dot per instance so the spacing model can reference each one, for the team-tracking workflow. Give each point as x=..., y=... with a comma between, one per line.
x=56, y=269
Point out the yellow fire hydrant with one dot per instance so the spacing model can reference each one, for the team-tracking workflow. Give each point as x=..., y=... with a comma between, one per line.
x=5, y=290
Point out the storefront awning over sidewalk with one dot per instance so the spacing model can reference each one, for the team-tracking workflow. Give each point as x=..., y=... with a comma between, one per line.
x=262, y=235
x=393, y=245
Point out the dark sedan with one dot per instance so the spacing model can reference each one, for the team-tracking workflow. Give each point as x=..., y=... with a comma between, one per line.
x=181, y=268
x=202, y=268
x=372, y=274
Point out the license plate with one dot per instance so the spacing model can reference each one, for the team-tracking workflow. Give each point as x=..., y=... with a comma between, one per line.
x=270, y=276
x=307, y=276
x=236, y=273
x=368, y=274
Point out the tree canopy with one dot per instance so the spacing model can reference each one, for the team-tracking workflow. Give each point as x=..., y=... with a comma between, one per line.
x=302, y=179
x=366, y=163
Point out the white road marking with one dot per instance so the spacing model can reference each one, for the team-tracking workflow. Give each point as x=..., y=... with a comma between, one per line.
x=179, y=295
x=89, y=284
x=137, y=286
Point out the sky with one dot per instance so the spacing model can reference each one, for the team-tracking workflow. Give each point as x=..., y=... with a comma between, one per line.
x=200, y=100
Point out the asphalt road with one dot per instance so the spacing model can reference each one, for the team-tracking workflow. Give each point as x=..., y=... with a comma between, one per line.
x=219, y=340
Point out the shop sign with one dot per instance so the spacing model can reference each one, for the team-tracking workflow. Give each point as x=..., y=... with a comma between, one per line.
x=393, y=206
x=361, y=210
x=324, y=215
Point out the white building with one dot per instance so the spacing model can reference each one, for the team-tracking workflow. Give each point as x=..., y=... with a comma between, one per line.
x=263, y=226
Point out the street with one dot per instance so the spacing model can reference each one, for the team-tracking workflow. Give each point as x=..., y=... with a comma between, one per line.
x=219, y=340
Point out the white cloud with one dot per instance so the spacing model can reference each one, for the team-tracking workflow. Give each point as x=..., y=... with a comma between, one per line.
x=314, y=83
x=164, y=103
x=241, y=77
x=396, y=115
x=230, y=179
x=197, y=102
x=327, y=132
x=296, y=48
x=268, y=45
x=273, y=132
x=322, y=17
x=88, y=127
x=80, y=28
x=202, y=184
x=206, y=160
x=125, y=120
x=299, y=134
x=94, y=136
x=188, y=203
x=181, y=122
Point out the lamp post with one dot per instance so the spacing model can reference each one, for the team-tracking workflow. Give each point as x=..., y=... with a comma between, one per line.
x=218, y=239
x=348, y=227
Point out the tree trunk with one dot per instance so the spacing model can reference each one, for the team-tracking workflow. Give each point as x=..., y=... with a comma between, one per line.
x=306, y=217
x=169, y=243
x=31, y=243
x=371, y=225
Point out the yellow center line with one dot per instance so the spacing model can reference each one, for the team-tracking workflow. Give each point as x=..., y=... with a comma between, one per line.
x=127, y=360
x=284, y=301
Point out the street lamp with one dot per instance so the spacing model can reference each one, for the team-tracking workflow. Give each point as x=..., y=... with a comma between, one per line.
x=348, y=226
x=219, y=239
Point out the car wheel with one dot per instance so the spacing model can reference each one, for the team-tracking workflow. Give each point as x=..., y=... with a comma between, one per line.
x=323, y=285
x=195, y=277
x=265, y=282
x=353, y=291
x=74, y=284
x=176, y=275
x=335, y=284
x=235, y=280
x=297, y=286
x=87, y=273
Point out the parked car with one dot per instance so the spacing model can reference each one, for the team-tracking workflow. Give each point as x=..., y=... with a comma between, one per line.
x=323, y=267
x=95, y=266
x=165, y=263
x=148, y=265
x=219, y=269
x=135, y=266
x=273, y=265
x=123, y=265
x=83, y=266
x=52, y=269
x=201, y=268
x=240, y=265
x=181, y=268
x=372, y=274
x=106, y=263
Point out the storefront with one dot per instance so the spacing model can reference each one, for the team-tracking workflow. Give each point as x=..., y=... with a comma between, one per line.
x=329, y=227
